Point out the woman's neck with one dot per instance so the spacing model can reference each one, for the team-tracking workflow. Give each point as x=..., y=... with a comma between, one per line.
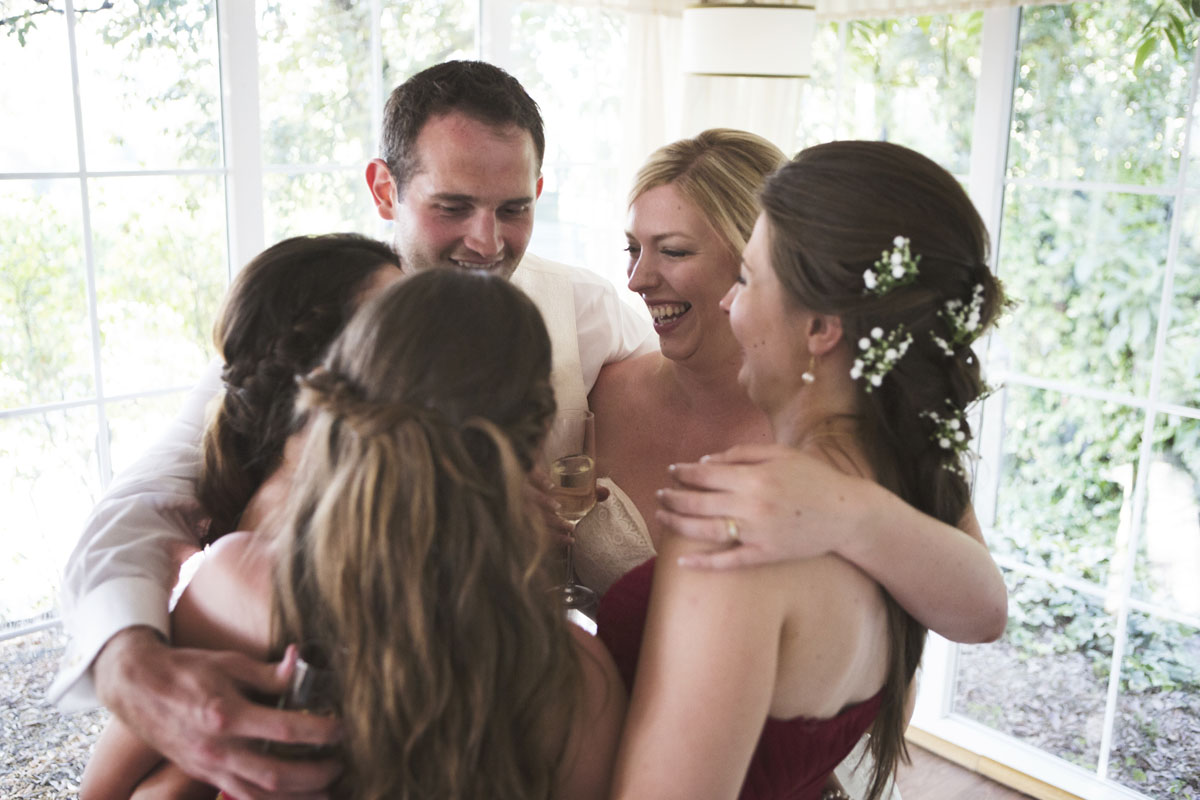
x=710, y=388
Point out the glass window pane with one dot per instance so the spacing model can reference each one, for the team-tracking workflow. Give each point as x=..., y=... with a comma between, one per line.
x=150, y=86
x=315, y=82
x=1169, y=556
x=135, y=425
x=821, y=113
x=1181, y=355
x=49, y=480
x=582, y=208
x=912, y=81
x=1158, y=717
x=160, y=274
x=422, y=33
x=1045, y=681
x=35, y=47
x=1080, y=111
x=45, y=334
x=319, y=202
x=1085, y=269
x=1066, y=483
x=583, y=228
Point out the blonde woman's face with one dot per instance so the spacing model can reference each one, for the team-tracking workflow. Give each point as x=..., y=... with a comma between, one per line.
x=680, y=266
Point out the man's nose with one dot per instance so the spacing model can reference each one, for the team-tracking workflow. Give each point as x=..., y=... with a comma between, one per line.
x=483, y=234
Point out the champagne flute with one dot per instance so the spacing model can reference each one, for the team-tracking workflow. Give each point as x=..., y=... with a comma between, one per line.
x=571, y=453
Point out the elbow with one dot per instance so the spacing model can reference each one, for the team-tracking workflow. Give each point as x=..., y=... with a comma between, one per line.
x=990, y=626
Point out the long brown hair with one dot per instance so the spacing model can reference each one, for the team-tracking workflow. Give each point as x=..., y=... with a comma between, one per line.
x=409, y=554
x=281, y=314
x=832, y=211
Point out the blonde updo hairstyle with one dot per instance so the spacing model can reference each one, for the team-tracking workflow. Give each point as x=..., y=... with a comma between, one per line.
x=720, y=172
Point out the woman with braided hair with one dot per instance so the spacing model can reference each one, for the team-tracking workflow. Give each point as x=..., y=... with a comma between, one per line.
x=281, y=314
x=407, y=556
x=861, y=289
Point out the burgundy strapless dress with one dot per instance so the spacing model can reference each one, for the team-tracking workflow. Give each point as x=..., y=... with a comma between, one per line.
x=793, y=757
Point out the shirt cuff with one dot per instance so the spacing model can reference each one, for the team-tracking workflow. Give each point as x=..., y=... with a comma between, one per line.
x=108, y=609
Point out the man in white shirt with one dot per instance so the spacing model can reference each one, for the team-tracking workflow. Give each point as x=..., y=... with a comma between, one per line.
x=460, y=174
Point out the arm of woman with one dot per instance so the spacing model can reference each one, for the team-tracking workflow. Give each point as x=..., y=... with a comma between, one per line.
x=596, y=726
x=704, y=682
x=787, y=505
x=219, y=610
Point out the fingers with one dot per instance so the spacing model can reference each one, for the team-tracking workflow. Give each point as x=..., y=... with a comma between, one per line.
x=709, y=475
x=256, y=775
x=747, y=454
x=709, y=529
x=700, y=504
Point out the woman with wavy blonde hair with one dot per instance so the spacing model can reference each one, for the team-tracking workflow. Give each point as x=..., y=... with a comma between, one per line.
x=408, y=563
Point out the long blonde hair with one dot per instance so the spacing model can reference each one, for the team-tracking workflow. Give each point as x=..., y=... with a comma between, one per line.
x=410, y=557
x=720, y=171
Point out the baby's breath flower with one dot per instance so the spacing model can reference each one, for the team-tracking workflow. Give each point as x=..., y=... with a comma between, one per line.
x=880, y=352
x=895, y=267
x=963, y=320
x=949, y=436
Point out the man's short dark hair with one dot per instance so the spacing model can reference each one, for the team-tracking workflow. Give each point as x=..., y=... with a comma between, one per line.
x=477, y=89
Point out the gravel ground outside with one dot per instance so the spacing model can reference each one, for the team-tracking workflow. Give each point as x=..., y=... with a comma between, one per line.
x=42, y=751
x=1056, y=703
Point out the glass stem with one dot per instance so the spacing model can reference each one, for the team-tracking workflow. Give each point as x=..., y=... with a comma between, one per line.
x=571, y=559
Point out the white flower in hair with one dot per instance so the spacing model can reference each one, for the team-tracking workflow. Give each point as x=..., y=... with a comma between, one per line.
x=895, y=267
x=880, y=352
x=962, y=319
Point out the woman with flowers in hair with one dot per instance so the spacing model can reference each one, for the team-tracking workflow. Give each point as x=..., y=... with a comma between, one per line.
x=409, y=563
x=861, y=290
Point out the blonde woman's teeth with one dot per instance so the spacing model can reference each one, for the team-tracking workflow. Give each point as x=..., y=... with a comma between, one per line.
x=668, y=312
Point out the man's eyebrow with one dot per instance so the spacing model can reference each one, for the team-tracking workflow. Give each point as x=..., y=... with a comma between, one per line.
x=450, y=197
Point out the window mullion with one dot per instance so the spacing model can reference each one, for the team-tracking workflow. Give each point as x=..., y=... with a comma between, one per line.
x=1146, y=449
x=238, y=45
x=103, y=454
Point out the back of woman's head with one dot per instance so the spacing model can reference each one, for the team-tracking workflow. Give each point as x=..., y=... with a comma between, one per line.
x=410, y=555
x=720, y=171
x=841, y=217
x=280, y=315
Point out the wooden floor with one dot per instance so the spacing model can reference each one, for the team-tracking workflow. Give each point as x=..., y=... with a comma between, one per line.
x=931, y=777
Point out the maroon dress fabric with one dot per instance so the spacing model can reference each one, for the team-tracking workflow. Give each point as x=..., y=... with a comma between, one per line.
x=793, y=757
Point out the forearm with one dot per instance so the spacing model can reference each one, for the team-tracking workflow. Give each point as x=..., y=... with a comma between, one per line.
x=126, y=561
x=945, y=578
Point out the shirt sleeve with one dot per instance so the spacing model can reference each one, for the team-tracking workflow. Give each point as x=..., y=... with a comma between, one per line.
x=125, y=563
x=609, y=328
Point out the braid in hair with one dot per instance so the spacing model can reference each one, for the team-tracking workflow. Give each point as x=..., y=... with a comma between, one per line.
x=281, y=314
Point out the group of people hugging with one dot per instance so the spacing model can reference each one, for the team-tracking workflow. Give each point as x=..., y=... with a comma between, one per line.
x=783, y=460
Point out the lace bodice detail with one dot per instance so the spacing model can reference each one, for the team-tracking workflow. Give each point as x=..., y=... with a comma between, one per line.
x=611, y=540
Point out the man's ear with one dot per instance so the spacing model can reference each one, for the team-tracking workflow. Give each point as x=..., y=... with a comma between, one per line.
x=824, y=333
x=538, y=191
x=383, y=188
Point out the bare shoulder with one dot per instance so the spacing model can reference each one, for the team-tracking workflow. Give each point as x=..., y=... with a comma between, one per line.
x=825, y=616
x=621, y=382
x=227, y=605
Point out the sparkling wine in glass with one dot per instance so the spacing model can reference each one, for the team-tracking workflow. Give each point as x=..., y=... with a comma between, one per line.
x=571, y=451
